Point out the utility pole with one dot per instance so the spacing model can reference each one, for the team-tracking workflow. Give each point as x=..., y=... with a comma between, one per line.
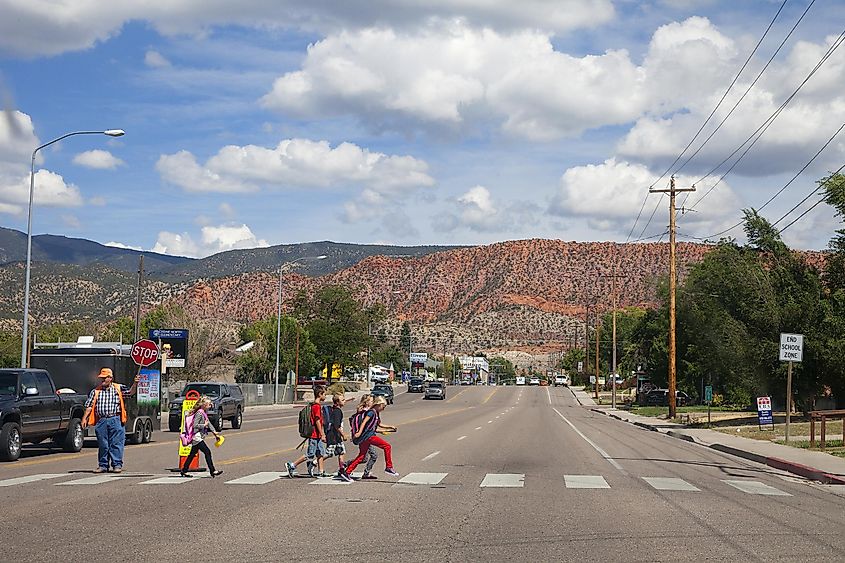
x=138, y=299
x=613, y=277
x=598, y=330
x=672, y=191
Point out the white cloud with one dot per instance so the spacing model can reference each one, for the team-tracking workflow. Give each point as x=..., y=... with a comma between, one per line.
x=477, y=211
x=154, y=59
x=80, y=24
x=98, y=159
x=97, y=201
x=213, y=239
x=226, y=210
x=116, y=244
x=606, y=195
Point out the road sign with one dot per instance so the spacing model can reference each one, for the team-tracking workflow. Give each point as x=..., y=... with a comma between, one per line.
x=764, y=411
x=791, y=347
x=708, y=394
x=419, y=357
x=177, y=340
x=580, y=367
x=144, y=352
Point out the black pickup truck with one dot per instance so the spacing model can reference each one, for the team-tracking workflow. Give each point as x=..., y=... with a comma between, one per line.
x=33, y=410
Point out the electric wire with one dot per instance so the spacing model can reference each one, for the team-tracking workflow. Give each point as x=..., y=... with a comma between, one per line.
x=808, y=196
x=758, y=133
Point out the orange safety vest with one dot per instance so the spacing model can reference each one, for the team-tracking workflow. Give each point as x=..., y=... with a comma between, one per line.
x=92, y=418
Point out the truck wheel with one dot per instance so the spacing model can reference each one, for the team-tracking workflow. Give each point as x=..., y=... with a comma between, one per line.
x=74, y=439
x=138, y=432
x=148, y=432
x=219, y=422
x=10, y=441
x=238, y=419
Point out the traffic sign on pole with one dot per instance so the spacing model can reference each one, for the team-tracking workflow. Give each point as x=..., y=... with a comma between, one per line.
x=144, y=352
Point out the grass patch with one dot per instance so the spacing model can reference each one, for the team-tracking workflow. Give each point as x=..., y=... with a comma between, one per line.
x=656, y=411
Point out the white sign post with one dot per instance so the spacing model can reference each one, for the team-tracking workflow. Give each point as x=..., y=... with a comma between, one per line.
x=791, y=350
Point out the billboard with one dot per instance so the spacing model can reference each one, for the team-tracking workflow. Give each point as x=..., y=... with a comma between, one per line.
x=174, y=339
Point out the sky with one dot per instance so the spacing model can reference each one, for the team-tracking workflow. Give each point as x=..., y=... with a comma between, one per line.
x=406, y=122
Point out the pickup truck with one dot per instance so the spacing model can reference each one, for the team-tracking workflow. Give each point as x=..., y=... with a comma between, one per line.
x=33, y=410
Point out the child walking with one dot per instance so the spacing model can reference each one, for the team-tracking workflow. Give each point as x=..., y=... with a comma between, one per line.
x=335, y=436
x=365, y=405
x=202, y=426
x=367, y=435
x=316, y=442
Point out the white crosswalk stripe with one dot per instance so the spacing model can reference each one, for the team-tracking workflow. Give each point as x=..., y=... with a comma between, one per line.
x=96, y=480
x=422, y=478
x=669, y=484
x=503, y=480
x=261, y=478
x=174, y=479
x=585, y=482
x=30, y=479
x=755, y=488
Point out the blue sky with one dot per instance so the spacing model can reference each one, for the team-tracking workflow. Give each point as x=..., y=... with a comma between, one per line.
x=405, y=122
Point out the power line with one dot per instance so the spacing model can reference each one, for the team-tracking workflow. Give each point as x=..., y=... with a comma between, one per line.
x=712, y=113
x=758, y=133
x=800, y=216
x=809, y=195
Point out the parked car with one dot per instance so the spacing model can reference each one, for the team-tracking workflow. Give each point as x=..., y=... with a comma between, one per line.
x=416, y=385
x=33, y=411
x=561, y=380
x=660, y=397
x=383, y=390
x=534, y=381
x=435, y=390
x=227, y=403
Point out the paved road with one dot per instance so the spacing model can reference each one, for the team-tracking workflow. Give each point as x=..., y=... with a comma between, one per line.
x=490, y=474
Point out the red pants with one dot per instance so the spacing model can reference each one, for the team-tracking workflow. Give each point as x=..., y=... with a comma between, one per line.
x=364, y=448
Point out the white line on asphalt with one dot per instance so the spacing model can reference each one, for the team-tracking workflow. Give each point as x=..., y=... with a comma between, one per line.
x=595, y=447
x=173, y=480
x=503, y=480
x=497, y=417
x=96, y=480
x=30, y=479
x=261, y=478
x=549, y=393
x=421, y=479
x=478, y=428
x=431, y=455
x=585, y=482
x=756, y=488
x=461, y=438
x=669, y=484
x=489, y=422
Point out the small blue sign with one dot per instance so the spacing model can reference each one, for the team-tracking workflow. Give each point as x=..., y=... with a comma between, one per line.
x=156, y=333
x=764, y=411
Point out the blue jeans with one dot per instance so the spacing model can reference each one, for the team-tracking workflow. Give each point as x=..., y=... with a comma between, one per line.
x=111, y=436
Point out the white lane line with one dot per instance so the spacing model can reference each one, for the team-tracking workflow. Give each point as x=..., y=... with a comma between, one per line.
x=601, y=452
x=503, y=480
x=172, y=480
x=585, y=482
x=497, y=417
x=328, y=481
x=489, y=422
x=549, y=393
x=478, y=428
x=461, y=438
x=421, y=479
x=431, y=455
x=260, y=478
x=97, y=480
x=756, y=488
x=669, y=484
x=30, y=479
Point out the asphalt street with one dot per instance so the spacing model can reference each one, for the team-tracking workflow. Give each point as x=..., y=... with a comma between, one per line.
x=489, y=474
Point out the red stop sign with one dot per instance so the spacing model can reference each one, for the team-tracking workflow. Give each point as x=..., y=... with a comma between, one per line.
x=144, y=352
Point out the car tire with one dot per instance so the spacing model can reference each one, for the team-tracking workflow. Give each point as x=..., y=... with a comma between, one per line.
x=74, y=439
x=148, y=432
x=218, y=424
x=10, y=441
x=238, y=419
x=137, y=435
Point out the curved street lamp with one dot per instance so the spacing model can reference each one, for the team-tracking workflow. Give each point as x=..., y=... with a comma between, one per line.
x=110, y=133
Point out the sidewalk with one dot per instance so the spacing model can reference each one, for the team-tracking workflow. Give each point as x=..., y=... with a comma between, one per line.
x=809, y=464
x=350, y=397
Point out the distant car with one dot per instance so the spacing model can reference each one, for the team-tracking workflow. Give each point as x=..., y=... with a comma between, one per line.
x=435, y=390
x=660, y=397
x=534, y=381
x=383, y=390
x=227, y=402
x=561, y=380
x=379, y=377
x=416, y=385
x=520, y=380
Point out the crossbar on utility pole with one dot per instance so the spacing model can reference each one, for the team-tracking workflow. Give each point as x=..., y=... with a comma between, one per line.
x=672, y=191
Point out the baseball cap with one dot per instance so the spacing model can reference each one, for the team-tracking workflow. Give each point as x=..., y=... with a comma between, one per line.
x=105, y=372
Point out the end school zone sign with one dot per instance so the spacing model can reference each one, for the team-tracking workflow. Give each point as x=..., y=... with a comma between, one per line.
x=791, y=347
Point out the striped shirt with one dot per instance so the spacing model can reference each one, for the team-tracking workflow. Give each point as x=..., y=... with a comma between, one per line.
x=108, y=403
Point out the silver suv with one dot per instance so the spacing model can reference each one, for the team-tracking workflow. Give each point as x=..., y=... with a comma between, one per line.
x=435, y=390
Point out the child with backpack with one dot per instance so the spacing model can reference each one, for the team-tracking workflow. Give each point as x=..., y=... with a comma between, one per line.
x=364, y=426
x=312, y=428
x=197, y=427
x=335, y=436
x=372, y=456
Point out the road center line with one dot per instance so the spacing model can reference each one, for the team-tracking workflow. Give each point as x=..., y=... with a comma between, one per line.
x=601, y=452
x=549, y=393
x=461, y=438
x=431, y=455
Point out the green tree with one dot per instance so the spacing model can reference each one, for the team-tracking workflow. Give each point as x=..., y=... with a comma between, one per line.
x=258, y=364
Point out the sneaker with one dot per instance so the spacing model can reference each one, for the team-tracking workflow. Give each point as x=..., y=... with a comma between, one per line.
x=391, y=471
x=323, y=474
x=291, y=469
x=185, y=475
x=368, y=476
x=310, y=468
x=346, y=478
x=101, y=470
x=118, y=470
x=216, y=472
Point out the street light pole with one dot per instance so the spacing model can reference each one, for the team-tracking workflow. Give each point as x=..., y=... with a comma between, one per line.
x=25, y=339
x=278, y=340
